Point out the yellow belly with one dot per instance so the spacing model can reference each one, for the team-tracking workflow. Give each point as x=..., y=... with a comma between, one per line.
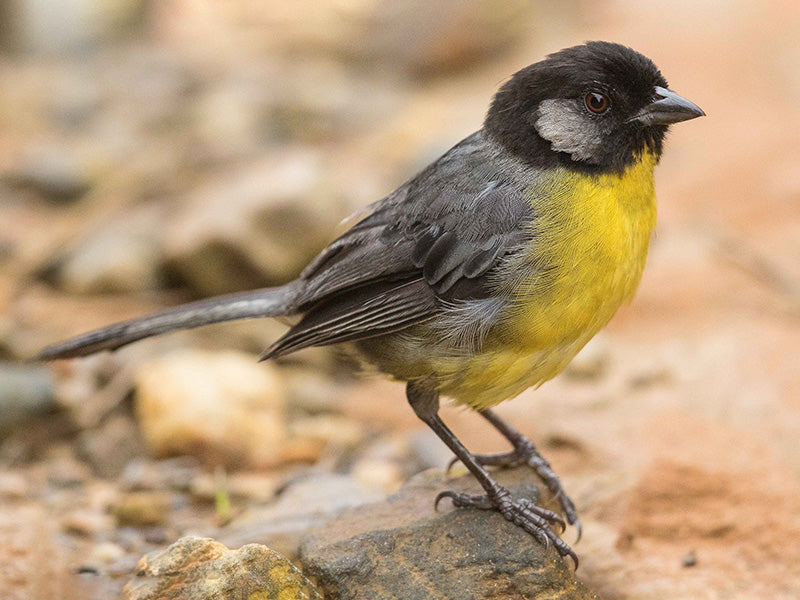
x=591, y=237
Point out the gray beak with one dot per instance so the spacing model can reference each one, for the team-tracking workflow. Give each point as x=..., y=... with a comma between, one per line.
x=666, y=108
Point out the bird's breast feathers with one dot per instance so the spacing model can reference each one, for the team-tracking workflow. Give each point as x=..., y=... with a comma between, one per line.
x=589, y=242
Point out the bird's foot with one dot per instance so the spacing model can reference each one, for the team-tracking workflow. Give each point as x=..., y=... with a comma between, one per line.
x=522, y=512
x=525, y=453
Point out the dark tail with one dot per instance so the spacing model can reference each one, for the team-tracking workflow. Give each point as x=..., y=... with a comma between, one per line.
x=267, y=302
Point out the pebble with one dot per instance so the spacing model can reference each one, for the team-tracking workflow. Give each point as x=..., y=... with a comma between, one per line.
x=325, y=493
x=106, y=553
x=86, y=522
x=13, y=486
x=141, y=509
x=222, y=407
x=119, y=257
x=109, y=447
x=54, y=172
x=176, y=474
x=26, y=391
x=328, y=431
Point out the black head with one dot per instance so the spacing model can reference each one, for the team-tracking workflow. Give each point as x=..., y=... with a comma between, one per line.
x=593, y=108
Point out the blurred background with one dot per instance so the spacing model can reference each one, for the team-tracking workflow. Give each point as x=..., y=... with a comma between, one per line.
x=154, y=152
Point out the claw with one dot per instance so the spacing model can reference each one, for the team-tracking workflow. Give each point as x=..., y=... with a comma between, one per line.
x=535, y=520
x=574, y=558
x=440, y=495
x=452, y=462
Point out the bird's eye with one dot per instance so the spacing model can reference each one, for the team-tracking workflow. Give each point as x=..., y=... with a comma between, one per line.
x=596, y=102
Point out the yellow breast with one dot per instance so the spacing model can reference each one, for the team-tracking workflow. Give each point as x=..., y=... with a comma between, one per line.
x=590, y=242
x=591, y=237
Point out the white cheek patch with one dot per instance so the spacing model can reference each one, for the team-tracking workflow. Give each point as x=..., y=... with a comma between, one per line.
x=567, y=126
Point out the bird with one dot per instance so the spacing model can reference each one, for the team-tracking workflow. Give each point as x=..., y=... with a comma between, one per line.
x=485, y=273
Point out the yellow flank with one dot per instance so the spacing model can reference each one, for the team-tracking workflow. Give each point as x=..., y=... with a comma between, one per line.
x=590, y=242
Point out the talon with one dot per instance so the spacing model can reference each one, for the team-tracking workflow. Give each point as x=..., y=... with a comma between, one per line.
x=573, y=556
x=579, y=527
x=452, y=462
x=440, y=495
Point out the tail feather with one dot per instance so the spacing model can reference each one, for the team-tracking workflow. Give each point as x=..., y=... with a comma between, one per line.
x=267, y=302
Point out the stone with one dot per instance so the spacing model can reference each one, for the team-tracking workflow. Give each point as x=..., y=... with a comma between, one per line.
x=440, y=36
x=326, y=432
x=111, y=445
x=26, y=391
x=118, y=257
x=302, y=507
x=222, y=407
x=176, y=474
x=404, y=549
x=196, y=568
x=86, y=522
x=13, y=486
x=258, y=226
x=326, y=493
x=42, y=27
x=54, y=172
x=142, y=509
x=106, y=553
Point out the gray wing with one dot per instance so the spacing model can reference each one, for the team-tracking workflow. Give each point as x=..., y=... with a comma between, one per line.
x=436, y=241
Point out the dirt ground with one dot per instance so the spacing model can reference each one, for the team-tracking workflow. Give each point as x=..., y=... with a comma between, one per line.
x=677, y=431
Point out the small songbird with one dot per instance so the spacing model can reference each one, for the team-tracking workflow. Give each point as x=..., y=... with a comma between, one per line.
x=485, y=273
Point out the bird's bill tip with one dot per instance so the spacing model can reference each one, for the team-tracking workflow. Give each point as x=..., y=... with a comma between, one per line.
x=667, y=108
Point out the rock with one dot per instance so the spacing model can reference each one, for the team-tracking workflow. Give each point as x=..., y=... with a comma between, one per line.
x=54, y=172
x=311, y=391
x=428, y=449
x=109, y=447
x=319, y=434
x=26, y=391
x=201, y=569
x=302, y=507
x=386, y=463
x=258, y=226
x=253, y=486
x=383, y=474
x=42, y=27
x=397, y=38
x=142, y=509
x=13, y=486
x=65, y=471
x=118, y=257
x=106, y=553
x=86, y=522
x=438, y=36
x=224, y=408
x=321, y=100
x=404, y=549
x=324, y=494
x=176, y=474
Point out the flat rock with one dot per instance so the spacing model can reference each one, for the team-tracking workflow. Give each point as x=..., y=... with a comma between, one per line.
x=196, y=568
x=404, y=549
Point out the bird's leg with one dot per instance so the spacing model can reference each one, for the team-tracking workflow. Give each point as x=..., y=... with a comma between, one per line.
x=525, y=452
x=522, y=512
